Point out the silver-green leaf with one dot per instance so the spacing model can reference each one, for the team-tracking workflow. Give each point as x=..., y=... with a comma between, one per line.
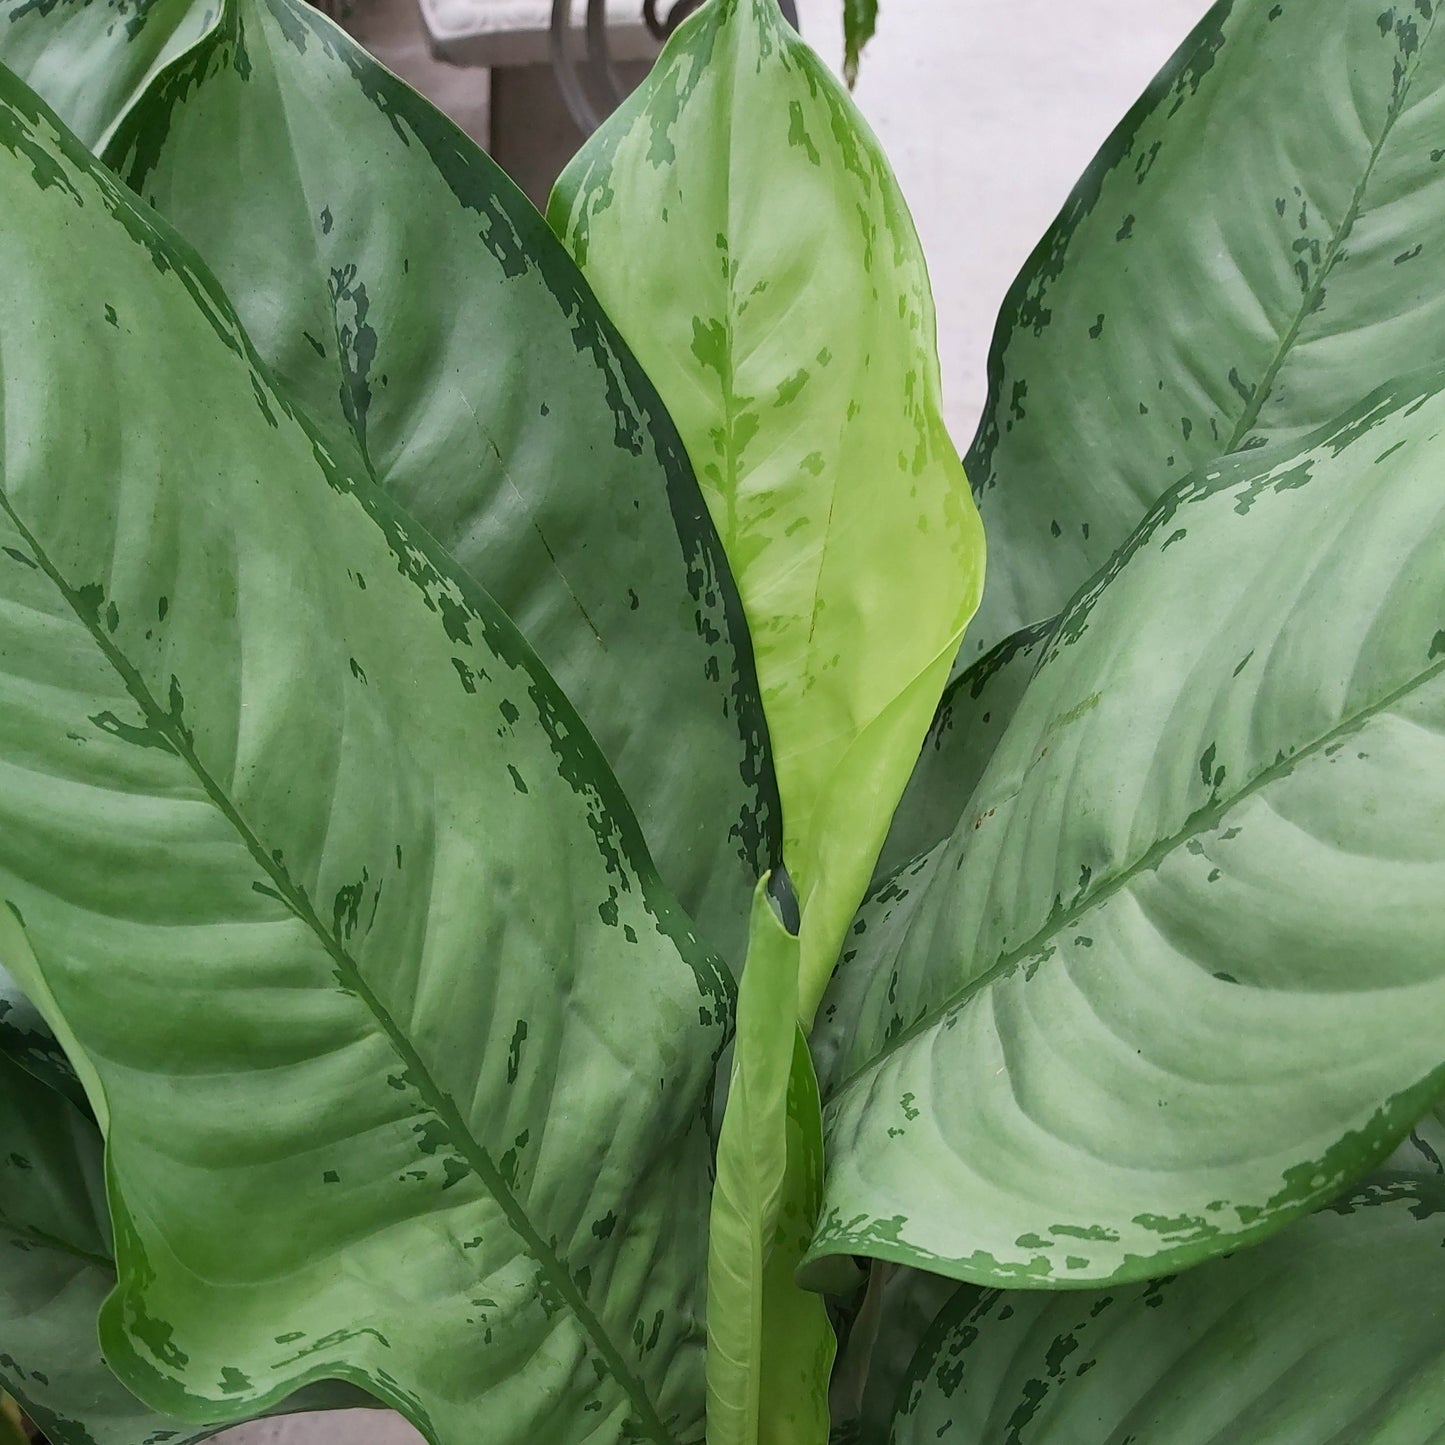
x=92, y=62
x=1187, y=935
x=1255, y=247
x=1335, y=1331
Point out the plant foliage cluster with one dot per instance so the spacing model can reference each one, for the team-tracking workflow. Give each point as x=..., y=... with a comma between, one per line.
x=519, y=901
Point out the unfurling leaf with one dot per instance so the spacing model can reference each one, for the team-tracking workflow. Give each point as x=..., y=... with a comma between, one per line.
x=1186, y=932
x=1254, y=249
x=770, y=1346
x=738, y=220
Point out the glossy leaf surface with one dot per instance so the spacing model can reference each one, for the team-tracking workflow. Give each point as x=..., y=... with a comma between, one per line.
x=92, y=62
x=740, y=223
x=1255, y=248
x=57, y=1271
x=1187, y=934
x=769, y=1343
x=349, y=927
x=411, y=300
x=1335, y=1331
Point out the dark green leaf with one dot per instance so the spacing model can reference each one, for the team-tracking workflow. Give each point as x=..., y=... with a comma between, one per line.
x=57, y=1271
x=326, y=890
x=26, y=1039
x=860, y=20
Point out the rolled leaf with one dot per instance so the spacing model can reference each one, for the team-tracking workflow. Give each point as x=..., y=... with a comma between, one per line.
x=770, y=1345
x=1187, y=935
x=330, y=896
x=1255, y=247
x=740, y=223
x=1333, y=1331
x=798, y=1340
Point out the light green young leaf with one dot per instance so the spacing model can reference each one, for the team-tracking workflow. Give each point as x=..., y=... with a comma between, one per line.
x=410, y=299
x=770, y=1346
x=798, y=1342
x=92, y=62
x=1256, y=245
x=348, y=924
x=1187, y=935
x=1335, y=1331
x=740, y=223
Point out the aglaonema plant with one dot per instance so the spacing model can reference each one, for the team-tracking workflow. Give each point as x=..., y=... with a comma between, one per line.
x=498, y=921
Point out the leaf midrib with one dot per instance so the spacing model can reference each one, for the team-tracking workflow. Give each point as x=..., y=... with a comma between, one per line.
x=1202, y=820
x=1315, y=293
x=472, y=1150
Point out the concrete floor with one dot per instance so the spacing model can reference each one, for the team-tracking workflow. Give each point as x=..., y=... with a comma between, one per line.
x=989, y=113
x=340, y=1427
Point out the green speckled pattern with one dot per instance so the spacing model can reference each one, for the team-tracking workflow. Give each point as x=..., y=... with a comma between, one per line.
x=91, y=60
x=739, y=222
x=410, y=299
x=1176, y=976
x=1260, y=243
x=1334, y=1332
x=355, y=941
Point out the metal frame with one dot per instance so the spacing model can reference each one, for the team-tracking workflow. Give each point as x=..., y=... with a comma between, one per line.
x=596, y=61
